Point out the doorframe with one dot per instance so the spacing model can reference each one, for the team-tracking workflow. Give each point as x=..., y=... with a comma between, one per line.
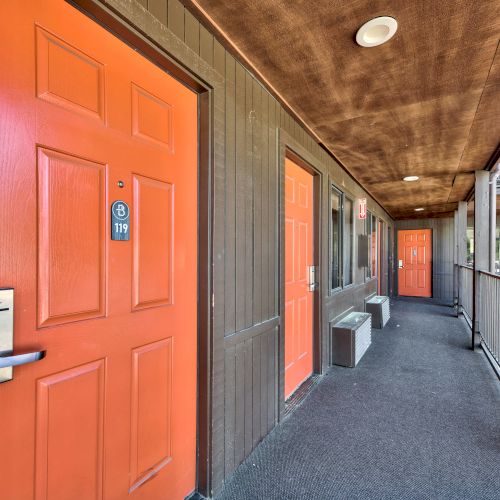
x=396, y=260
x=205, y=83
x=291, y=149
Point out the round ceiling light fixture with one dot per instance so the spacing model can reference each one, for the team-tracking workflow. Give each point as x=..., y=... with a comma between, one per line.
x=376, y=31
x=411, y=178
x=420, y=209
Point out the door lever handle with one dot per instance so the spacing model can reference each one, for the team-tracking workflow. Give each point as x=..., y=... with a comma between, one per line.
x=7, y=360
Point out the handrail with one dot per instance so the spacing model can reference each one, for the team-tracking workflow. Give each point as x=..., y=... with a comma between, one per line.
x=488, y=273
x=465, y=266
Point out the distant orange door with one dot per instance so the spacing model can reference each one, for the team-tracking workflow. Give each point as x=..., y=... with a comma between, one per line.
x=110, y=413
x=299, y=256
x=415, y=263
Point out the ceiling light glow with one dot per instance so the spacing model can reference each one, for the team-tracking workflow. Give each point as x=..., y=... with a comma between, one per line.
x=420, y=209
x=411, y=178
x=376, y=31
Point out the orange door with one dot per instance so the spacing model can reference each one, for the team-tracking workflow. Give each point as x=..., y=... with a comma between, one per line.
x=298, y=257
x=415, y=263
x=111, y=410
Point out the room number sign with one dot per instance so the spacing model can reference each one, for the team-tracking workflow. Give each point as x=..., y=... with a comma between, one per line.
x=120, y=221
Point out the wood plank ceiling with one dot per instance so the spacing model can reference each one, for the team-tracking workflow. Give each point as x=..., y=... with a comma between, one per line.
x=426, y=103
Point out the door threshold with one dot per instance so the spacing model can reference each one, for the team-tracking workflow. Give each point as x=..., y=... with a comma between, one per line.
x=299, y=395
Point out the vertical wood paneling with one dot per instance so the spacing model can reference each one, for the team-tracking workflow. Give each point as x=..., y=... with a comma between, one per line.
x=271, y=379
x=257, y=202
x=248, y=196
x=239, y=412
x=273, y=206
x=229, y=409
x=263, y=402
x=265, y=207
x=159, y=9
x=240, y=202
x=250, y=395
x=219, y=57
x=256, y=374
x=191, y=31
x=176, y=18
x=230, y=230
x=248, y=391
x=207, y=46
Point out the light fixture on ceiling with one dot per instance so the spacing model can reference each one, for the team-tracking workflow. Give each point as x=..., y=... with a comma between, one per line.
x=420, y=209
x=376, y=31
x=411, y=178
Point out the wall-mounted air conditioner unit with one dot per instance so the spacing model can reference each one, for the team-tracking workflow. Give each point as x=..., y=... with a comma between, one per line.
x=351, y=337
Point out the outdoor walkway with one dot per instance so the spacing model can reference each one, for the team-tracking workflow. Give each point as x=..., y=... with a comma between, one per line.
x=418, y=418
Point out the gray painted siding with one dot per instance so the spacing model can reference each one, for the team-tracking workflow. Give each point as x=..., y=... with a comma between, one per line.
x=247, y=123
x=442, y=253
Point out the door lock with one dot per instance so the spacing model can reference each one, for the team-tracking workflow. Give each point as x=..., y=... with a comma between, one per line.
x=400, y=264
x=313, y=283
x=7, y=358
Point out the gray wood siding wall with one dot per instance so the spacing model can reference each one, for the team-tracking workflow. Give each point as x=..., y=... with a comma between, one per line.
x=246, y=249
x=442, y=253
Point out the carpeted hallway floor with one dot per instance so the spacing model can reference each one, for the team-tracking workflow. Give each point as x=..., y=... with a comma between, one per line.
x=418, y=418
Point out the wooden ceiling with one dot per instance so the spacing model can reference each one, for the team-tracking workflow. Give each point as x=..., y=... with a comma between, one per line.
x=426, y=103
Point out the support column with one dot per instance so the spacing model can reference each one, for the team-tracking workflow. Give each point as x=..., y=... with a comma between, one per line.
x=481, y=240
x=455, y=260
x=461, y=238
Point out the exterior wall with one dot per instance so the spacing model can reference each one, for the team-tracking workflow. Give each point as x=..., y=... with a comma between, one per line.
x=251, y=132
x=442, y=253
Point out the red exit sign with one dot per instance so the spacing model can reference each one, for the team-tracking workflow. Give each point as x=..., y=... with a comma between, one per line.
x=362, y=208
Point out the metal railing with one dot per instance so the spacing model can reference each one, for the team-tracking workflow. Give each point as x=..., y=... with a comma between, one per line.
x=489, y=312
x=466, y=292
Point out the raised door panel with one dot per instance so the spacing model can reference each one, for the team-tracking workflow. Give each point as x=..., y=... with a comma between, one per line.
x=69, y=434
x=153, y=238
x=303, y=324
x=302, y=245
x=290, y=255
x=152, y=118
x=68, y=77
x=290, y=333
x=150, y=441
x=71, y=242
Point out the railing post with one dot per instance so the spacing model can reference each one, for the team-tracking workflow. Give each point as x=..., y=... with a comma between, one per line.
x=481, y=242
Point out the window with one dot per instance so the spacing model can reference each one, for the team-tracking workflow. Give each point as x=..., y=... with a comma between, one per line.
x=371, y=232
x=470, y=239
x=336, y=238
x=348, y=240
x=342, y=234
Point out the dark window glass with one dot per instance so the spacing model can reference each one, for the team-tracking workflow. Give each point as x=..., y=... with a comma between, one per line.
x=336, y=203
x=348, y=239
x=371, y=232
x=373, y=246
x=368, y=227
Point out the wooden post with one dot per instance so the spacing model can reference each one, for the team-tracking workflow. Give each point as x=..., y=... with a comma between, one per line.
x=481, y=241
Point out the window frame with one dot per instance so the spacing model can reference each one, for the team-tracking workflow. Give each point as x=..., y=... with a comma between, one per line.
x=342, y=238
x=370, y=272
x=353, y=225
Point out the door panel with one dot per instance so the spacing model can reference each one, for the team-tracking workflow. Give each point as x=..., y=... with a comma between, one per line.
x=113, y=405
x=70, y=424
x=298, y=256
x=415, y=252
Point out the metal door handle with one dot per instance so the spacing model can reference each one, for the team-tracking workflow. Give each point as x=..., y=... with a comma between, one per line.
x=6, y=361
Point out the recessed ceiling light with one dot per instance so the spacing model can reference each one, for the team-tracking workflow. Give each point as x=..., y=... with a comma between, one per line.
x=419, y=209
x=411, y=178
x=376, y=31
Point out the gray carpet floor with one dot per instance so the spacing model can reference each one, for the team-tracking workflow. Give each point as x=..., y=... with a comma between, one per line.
x=418, y=418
